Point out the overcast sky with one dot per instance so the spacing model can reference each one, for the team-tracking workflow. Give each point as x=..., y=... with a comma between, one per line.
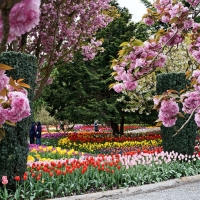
x=135, y=7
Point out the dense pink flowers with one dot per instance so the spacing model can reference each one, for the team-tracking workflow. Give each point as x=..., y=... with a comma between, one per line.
x=90, y=51
x=144, y=59
x=75, y=24
x=3, y=80
x=23, y=17
x=141, y=60
x=118, y=87
x=190, y=101
x=168, y=112
x=19, y=107
x=197, y=118
x=193, y=3
x=148, y=20
x=14, y=107
x=194, y=49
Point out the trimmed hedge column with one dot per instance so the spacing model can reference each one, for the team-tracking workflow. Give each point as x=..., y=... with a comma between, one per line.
x=14, y=147
x=184, y=142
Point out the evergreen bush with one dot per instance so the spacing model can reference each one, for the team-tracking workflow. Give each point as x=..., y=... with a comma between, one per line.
x=184, y=142
x=14, y=147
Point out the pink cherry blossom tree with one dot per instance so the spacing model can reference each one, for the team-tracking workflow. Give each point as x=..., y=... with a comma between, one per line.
x=54, y=30
x=137, y=59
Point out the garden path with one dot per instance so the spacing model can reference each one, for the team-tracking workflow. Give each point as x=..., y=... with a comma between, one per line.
x=186, y=188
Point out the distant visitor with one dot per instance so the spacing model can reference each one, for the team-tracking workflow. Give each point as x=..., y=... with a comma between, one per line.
x=96, y=125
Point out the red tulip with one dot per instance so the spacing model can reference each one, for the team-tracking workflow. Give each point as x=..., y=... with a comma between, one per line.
x=25, y=177
x=51, y=174
x=17, y=178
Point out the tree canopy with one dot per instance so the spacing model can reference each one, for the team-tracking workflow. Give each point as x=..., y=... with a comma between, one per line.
x=80, y=91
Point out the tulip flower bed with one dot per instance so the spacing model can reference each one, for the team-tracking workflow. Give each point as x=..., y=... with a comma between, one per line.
x=99, y=145
x=83, y=137
x=66, y=177
x=47, y=153
x=112, y=163
x=52, y=138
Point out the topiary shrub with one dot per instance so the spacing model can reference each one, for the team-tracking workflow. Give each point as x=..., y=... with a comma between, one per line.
x=184, y=142
x=14, y=147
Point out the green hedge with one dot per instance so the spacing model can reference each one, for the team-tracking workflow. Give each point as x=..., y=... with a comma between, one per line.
x=184, y=142
x=14, y=147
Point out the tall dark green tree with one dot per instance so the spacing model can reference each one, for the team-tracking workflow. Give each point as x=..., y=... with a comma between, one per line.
x=80, y=92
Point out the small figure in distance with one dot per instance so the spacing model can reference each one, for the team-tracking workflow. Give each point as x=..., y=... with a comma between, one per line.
x=32, y=133
x=62, y=126
x=38, y=133
x=96, y=125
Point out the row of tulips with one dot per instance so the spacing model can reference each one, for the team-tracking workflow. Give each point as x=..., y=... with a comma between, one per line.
x=84, y=137
x=44, y=153
x=67, y=177
x=104, y=128
x=48, y=153
x=95, y=147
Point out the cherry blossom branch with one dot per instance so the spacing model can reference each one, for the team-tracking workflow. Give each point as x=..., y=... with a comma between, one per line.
x=49, y=65
x=160, y=51
x=186, y=121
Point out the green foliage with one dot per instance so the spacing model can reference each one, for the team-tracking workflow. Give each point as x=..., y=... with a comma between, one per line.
x=80, y=90
x=146, y=3
x=87, y=178
x=14, y=147
x=183, y=142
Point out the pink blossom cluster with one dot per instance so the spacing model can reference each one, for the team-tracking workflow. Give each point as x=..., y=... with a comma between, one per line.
x=168, y=112
x=64, y=27
x=19, y=107
x=194, y=48
x=23, y=17
x=72, y=24
x=91, y=49
x=181, y=20
x=193, y=3
x=15, y=105
x=141, y=60
x=171, y=38
x=174, y=13
x=4, y=80
x=196, y=75
x=197, y=118
x=17, y=110
x=190, y=101
x=168, y=10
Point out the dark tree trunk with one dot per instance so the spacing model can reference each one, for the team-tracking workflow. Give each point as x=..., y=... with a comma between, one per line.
x=122, y=126
x=115, y=128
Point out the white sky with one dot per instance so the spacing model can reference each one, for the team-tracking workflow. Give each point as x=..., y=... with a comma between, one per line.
x=135, y=7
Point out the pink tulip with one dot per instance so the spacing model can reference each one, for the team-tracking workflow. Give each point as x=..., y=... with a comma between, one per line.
x=4, y=180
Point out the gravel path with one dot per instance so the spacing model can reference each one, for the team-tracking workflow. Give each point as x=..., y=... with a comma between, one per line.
x=187, y=191
x=185, y=188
